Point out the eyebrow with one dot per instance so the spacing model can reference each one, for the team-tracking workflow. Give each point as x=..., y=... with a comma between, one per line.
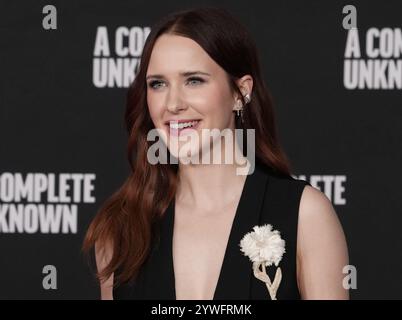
x=184, y=74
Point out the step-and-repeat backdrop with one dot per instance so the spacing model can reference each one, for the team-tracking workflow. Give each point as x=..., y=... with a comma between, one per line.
x=334, y=69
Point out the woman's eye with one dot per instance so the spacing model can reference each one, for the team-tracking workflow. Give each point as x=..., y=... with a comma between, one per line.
x=155, y=84
x=195, y=80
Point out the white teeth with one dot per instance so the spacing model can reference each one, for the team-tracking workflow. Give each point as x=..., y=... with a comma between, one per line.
x=175, y=125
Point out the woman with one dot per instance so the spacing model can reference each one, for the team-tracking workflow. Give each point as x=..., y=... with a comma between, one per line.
x=172, y=231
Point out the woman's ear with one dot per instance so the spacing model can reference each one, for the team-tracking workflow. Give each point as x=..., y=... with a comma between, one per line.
x=245, y=85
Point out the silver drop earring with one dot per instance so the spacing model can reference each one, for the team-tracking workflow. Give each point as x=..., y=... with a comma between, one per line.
x=247, y=98
x=239, y=106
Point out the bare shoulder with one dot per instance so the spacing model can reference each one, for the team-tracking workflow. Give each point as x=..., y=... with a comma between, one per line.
x=103, y=255
x=321, y=248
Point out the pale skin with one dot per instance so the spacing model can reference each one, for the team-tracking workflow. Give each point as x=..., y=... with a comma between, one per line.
x=208, y=195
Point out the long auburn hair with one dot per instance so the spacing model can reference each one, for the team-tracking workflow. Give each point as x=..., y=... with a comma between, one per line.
x=125, y=222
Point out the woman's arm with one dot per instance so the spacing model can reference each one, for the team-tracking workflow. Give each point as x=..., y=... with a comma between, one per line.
x=321, y=248
x=103, y=255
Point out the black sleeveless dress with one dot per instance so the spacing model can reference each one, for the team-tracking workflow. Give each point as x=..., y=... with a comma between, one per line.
x=267, y=198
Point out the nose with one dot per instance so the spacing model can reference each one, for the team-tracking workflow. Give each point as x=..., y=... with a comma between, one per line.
x=174, y=103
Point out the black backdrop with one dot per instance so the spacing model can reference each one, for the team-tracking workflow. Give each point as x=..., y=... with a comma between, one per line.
x=57, y=119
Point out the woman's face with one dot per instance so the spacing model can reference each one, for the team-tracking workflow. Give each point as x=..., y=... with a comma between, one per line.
x=185, y=84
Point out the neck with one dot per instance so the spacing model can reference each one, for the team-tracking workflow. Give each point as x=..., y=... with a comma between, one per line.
x=210, y=186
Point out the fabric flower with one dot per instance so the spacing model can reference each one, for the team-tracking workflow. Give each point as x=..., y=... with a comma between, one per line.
x=263, y=244
x=264, y=247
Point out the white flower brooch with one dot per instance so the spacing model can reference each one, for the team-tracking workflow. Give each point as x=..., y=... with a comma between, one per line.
x=264, y=247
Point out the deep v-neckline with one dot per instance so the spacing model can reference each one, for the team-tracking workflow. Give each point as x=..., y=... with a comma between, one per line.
x=235, y=271
x=173, y=213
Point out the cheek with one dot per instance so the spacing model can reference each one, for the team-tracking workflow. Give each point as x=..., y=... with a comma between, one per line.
x=155, y=108
x=216, y=103
x=221, y=108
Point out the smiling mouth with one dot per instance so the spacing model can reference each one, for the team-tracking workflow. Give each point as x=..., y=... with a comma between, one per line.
x=175, y=127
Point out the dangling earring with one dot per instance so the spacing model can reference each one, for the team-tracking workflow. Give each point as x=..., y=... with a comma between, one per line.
x=247, y=98
x=238, y=107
